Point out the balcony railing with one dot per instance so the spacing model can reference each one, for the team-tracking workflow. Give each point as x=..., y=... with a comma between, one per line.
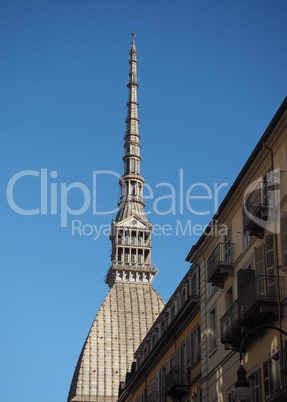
x=256, y=206
x=279, y=396
x=134, y=242
x=253, y=307
x=154, y=396
x=123, y=266
x=220, y=263
x=176, y=381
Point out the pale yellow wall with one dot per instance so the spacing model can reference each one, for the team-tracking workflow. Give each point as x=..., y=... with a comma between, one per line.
x=194, y=372
x=221, y=366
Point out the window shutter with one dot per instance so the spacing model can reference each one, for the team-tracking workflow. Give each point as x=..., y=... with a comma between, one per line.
x=144, y=395
x=188, y=350
x=152, y=385
x=184, y=295
x=197, y=396
x=193, y=347
x=269, y=244
x=189, y=291
x=162, y=372
x=158, y=382
x=197, y=343
x=167, y=366
x=259, y=260
x=178, y=301
x=267, y=379
x=177, y=356
x=196, y=281
x=283, y=229
x=254, y=381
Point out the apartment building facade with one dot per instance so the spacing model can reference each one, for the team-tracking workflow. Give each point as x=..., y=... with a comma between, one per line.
x=243, y=277
x=167, y=363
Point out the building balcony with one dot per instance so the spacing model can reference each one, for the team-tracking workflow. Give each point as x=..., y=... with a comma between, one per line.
x=256, y=206
x=176, y=382
x=220, y=264
x=279, y=396
x=257, y=305
x=126, y=266
x=154, y=396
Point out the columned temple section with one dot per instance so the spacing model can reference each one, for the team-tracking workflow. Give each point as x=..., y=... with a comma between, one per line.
x=132, y=304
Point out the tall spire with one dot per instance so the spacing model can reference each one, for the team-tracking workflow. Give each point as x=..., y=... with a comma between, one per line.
x=131, y=201
x=131, y=231
x=132, y=304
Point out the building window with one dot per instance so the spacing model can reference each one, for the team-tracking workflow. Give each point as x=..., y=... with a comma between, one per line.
x=229, y=298
x=212, y=331
x=127, y=237
x=246, y=239
x=127, y=255
x=172, y=312
x=230, y=395
x=210, y=288
x=133, y=256
x=153, y=340
x=140, y=256
x=194, y=282
x=268, y=391
x=246, y=236
x=162, y=327
x=227, y=247
x=249, y=265
x=272, y=375
x=134, y=238
x=192, y=347
x=138, y=362
x=137, y=166
x=254, y=381
x=140, y=238
x=195, y=348
x=120, y=255
x=133, y=188
x=145, y=352
x=275, y=367
x=132, y=166
x=127, y=163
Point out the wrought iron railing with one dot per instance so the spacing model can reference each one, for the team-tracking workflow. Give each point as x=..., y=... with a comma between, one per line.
x=178, y=375
x=263, y=289
x=154, y=396
x=222, y=255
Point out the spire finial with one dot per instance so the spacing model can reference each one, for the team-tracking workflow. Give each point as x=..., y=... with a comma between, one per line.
x=133, y=34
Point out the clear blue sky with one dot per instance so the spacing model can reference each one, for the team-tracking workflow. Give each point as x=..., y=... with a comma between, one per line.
x=212, y=75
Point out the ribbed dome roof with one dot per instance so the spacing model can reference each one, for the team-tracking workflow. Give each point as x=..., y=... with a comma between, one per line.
x=123, y=320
